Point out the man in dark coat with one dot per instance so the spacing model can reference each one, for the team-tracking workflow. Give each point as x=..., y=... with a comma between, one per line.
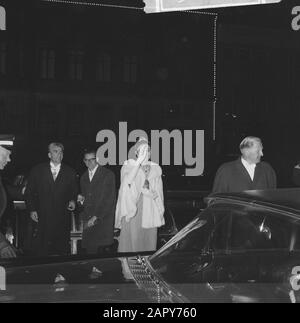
x=6, y=249
x=98, y=196
x=50, y=196
x=247, y=172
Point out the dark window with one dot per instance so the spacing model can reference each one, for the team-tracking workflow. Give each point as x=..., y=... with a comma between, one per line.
x=47, y=64
x=130, y=69
x=76, y=65
x=221, y=231
x=244, y=228
x=47, y=119
x=21, y=62
x=3, y=56
x=104, y=68
x=75, y=120
x=259, y=229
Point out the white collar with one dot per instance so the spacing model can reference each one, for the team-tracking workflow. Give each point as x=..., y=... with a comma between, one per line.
x=54, y=167
x=247, y=164
x=94, y=170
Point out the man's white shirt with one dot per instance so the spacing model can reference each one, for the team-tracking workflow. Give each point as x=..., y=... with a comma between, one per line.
x=55, y=170
x=92, y=173
x=249, y=167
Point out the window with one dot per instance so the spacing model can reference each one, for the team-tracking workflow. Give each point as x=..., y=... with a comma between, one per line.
x=130, y=69
x=3, y=54
x=220, y=234
x=75, y=120
x=47, y=64
x=104, y=68
x=76, y=65
x=243, y=228
x=21, y=62
x=259, y=229
x=47, y=119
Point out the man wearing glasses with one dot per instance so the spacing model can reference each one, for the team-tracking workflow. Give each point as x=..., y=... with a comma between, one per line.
x=98, y=198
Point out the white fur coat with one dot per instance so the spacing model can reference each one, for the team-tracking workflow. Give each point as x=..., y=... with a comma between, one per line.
x=153, y=209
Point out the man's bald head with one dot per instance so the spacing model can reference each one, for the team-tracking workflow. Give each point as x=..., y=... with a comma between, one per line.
x=4, y=157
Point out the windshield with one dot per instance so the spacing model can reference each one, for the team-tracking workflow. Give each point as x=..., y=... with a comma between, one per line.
x=179, y=251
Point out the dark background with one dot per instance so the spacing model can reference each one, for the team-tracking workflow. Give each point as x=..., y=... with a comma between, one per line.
x=68, y=71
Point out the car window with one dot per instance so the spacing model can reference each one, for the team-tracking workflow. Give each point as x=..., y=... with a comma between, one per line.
x=220, y=234
x=259, y=229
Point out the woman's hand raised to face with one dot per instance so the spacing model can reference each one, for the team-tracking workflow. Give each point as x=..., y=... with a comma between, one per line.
x=143, y=152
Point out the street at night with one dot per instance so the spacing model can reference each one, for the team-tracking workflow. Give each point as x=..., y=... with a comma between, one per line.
x=149, y=151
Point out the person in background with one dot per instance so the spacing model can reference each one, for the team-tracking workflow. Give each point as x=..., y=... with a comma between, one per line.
x=6, y=249
x=248, y=172
x=140, y=205
x=98, y=198
x=50, y=195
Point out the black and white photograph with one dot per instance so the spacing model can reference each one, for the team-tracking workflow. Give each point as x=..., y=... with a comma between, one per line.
x=149, y=154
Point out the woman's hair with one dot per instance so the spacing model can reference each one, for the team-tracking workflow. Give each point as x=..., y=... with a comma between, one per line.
x=141, y=141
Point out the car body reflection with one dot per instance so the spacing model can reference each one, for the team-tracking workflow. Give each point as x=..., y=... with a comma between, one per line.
x=242, y=248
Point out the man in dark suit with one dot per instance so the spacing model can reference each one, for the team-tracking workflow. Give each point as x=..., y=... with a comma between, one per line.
x=50, y=196
x=247, y=172
x=6, y=249
x=98, y=197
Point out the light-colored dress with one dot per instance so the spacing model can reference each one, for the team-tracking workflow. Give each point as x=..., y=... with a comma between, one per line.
x=138, y=215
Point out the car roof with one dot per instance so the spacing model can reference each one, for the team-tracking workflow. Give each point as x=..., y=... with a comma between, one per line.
x=286, y=199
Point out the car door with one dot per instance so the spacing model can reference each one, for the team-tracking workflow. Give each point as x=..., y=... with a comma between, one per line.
x=204, y=270
x=258, y=246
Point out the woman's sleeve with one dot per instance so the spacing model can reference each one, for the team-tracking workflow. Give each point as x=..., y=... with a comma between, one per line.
x=128, y=197
x=160, y=199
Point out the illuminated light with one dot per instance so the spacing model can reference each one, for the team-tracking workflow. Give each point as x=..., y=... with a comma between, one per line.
x=155, y=6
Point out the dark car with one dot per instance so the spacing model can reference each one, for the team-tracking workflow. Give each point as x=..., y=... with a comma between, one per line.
x=243, y=247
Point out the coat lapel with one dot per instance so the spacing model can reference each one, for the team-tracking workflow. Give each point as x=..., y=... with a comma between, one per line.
x=97, y=176
x=49, y=175
x=245, y=172
x=257, y=172
x=59, y=175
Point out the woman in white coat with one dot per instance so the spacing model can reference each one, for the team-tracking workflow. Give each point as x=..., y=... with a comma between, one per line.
x=140, y=206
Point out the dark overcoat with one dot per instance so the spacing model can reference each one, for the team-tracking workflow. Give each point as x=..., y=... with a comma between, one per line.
x=234, y=177
x=100, y=201
x=3, y=202
x=50, y=199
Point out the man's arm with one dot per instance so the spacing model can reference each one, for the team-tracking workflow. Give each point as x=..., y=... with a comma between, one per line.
x=106, y=205
x=73, y=187
x=220, y=181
